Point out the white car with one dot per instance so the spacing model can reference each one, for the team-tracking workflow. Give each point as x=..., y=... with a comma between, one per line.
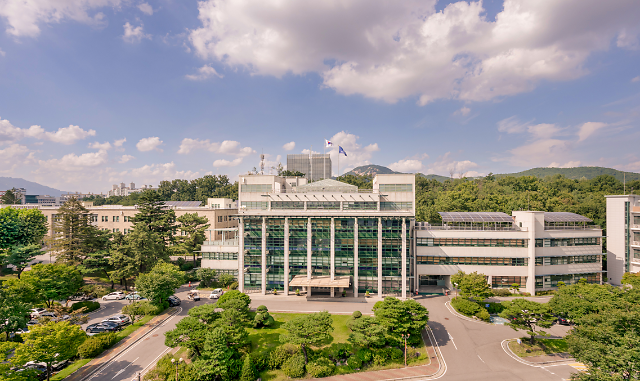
x=215, y=294
x=121, y=320
x=114, y=296
x=35, y=312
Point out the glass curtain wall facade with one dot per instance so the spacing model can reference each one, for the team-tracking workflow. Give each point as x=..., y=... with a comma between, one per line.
x=253, y=254
x=321, y=164
x=297, y=246
x=392, y=256
x=367, y=255
x=275, y=253
x=320, y=246
x=344, y=241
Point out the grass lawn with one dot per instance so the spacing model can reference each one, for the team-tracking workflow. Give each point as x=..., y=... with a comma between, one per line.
x=7, y=277
x=70, y=369
x=541, y=348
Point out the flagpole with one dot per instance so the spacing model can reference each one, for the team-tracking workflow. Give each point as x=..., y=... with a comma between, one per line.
x=324, y=160
x=311, y=164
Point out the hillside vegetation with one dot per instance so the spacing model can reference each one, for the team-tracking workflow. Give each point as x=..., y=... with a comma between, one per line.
x=576, y=173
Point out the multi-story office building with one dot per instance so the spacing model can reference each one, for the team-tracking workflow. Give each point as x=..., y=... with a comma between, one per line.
x=329, y=235
x=315, y=167
x=535, y=250
x=623, y=236
x=122, y=190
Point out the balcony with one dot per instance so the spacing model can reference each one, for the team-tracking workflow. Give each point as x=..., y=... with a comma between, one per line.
x=635, y=243
x=225, y=242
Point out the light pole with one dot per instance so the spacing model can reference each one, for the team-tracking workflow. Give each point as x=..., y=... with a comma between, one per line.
x=405, y=337
x=456, y=286
x=173, y=361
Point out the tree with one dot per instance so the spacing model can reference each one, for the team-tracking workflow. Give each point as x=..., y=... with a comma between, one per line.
x=189, y=333
x=14, y=313
x=527, y=315
x=53, y=281
x=154, y=214
x=367, y=332
x=192, y=228
x=49, y=343
x=11, y=197
x=631, y=279
x=206, y=276
x=226, y=280
x=579, y=300
x=21, y=256
x=21, y=227
x=306, y=330
x=234, y=294
x=97, y=263
x=472, y=285
x=288, y=173
x=248, y=370
x=6, y=373
x=69, y=232
x=262, y=318
x=160, y=283
x=217, y=358
x=401, y=317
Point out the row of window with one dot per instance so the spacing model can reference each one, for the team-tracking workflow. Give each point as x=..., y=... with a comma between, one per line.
x=220, y=218
x=395, y=188
x=220, y=256
x=94, y=218
x=548, y=281
x=471, y=242
x=385, y=205
x=255, y=188
x=556, y=242
x=260, y=205
x=568, y=260
x=477, y=261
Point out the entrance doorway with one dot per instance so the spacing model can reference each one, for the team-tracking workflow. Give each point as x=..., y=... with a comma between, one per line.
x=432, y=280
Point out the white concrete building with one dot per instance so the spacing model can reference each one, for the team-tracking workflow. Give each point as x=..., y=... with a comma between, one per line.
x=122, y=190
x=623, y=236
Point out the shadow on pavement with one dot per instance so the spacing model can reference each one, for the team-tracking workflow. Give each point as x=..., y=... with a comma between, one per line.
x=440, y=332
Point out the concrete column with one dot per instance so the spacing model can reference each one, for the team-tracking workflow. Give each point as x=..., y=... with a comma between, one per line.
x=531, y=250
x=404, y=258
x=355, y=258
x=241, y=254
x=333, y=248
x=379, y=257
x=309, y=250
x=286, y=256
x=490, y=280
x=264, y=256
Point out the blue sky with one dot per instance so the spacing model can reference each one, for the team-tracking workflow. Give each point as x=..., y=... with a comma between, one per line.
x=98, y=92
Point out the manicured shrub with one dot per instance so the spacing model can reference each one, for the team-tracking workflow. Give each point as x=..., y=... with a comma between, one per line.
x=261, y=360
x=95, y=345
x=278, y=356
x=145, y=307
x=90, y=306
x=262, y=318
x=495, y=308
x=396, y=353
x=356, y=314
x=501, y=292
x=365, y=355
x=354, y=362
x=233, y=286
x=248, y=370
x=379, y=360
x=321, y=367
x=465, y=306
x=294, y=366
x=483, y=314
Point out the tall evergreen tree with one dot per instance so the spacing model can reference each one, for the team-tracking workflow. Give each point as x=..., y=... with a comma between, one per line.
x=69, y=232
x=136, y=253
x=11, y=197
x=154, y=214
x=192, y=228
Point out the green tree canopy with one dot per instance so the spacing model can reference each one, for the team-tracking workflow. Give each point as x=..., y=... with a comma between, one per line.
x=367, y=331
x=14, y=312
x=160, y=283
x=579, y=300
x=189, y=333
x=21, y=227
x=192, y=228
x=527, y=315
x=217, y=360
x=69, y=232
x=234, y=294
x=472, y=285
x=52, y=282
x=155, y=216
x=11, y=197
x=631, y=279
x=306, y=330
x=401, y=317
x=21, y=256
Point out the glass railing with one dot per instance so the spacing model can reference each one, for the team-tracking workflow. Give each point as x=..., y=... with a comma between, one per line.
x=226, y=242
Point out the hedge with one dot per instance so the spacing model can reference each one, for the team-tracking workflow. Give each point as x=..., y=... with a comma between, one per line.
x=90, y=305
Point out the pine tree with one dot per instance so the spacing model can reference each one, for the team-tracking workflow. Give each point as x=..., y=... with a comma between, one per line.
x=154, y=214
x=69, y=232
x=248, y=370
x=11, y=197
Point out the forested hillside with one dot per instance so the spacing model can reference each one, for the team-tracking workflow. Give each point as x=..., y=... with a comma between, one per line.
x=576, y=173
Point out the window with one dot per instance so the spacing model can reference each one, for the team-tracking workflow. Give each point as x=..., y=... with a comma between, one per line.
x=395, y=188
x=127, y=219
x=330, y=205
x=559, y=242
x=219, y=218
x=473, y=242
x=116, y=230
x=636, y=254
x=396, y=205
x=548, y=281
x=474, y=261
x=225, y=218
x=287, y=205
x=360, y=205
x=255, y=188
x=221, y=256
x=498, y=281
x=94, y=218
x=261, y=205
x=116, y=218
x=105, y=218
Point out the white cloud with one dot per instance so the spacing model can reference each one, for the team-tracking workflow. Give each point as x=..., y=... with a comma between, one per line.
x=391, y=50
x=229, y=147
x=544, y=130
x=512, y=125
x=446, y=165
x=636, y=79
x=154, y=173
x=589, y=129
x=72, y=162
x=65, y=135
x=628, y=39
x=407, y=165
x=24, y=17
x=569, y=164
x=146, y=8
x=134, y=34
x=125, y=158
x=100, y=146
x=118, y=144
x=13, y=156
x=356, y=154
x=204, y=72
x=149, y=144
x=289, y=146
x=464, y=111
x=226, y=163
x=2, y=53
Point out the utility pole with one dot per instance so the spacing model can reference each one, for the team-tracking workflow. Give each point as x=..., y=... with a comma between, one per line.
x=405, y=337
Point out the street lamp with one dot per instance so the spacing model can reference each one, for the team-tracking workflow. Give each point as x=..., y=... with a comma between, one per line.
x=173, y=361
x=405, y=337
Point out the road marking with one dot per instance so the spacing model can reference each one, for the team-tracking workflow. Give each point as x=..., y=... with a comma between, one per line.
x=578, y=366
x=146, y=368
x=454, y=343
x=123, y=369
x=480, y=358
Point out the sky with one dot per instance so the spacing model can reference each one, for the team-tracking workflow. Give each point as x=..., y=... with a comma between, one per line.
x=98, y=92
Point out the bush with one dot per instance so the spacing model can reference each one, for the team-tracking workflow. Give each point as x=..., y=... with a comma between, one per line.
x=354, y=362
x=365, y=355
x=356, y=314
x=95, y=290
x=321, y=367
x=261, y=360
x=379, y=360
x=495, y=308
x=483, y=314
x=465, y=306
x=338, y=351
x=248, y=370
x=233, y=286
x=501, y=292
x=278, y=356
x=95, y=345
x=90, y=306
x=145, y=307
x=396, y=353
x=294, y=366
x=186, y=266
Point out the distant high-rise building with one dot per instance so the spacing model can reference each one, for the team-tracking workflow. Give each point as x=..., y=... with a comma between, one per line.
x=315, y=167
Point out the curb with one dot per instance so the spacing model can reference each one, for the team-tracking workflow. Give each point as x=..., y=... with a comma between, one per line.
x=117, y=351
x=461, y=316
x=505, y=347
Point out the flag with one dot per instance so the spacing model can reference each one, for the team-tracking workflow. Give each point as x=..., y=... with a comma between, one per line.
x=327, y=143
x=340, y=150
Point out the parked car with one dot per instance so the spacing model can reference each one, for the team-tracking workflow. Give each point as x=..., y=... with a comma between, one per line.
x=215, y=294
x=135, y=296
x=81, y=297
x=174, y=301
x=32, y=322
x=39, y=368
x=47, y=314
x=563, y=321
x=97, y=328
x=19, y=331
x=193, y=295
x=114, y=296
x=121, y=320
x=35, y=312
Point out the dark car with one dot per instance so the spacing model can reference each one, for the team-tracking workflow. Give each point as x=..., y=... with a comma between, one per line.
x=563, y=321
x=97, y=328
x=174, y=301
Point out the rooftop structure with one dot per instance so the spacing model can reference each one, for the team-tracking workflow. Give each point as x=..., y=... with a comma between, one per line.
x=314, y=166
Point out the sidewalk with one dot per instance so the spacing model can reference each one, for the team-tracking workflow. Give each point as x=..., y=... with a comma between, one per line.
x=421, y=371
x=111, y=353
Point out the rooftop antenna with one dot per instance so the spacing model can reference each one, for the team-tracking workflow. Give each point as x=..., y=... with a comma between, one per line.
x=624, y=182
x=262, y=163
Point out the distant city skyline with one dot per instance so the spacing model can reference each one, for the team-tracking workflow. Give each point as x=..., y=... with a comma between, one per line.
x=94, y=93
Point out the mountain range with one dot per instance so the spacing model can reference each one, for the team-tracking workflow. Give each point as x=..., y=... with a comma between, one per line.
x=30, y=186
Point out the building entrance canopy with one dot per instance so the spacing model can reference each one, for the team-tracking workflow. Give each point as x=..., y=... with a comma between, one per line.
x=320, y=281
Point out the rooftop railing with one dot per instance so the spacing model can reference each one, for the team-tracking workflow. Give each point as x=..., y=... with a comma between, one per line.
x=512, y=228
x=570, y=227
x=226, y=242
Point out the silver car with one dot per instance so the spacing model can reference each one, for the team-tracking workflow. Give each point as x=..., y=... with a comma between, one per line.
x=215, y=294
x=114, y=296
x=121, y=320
